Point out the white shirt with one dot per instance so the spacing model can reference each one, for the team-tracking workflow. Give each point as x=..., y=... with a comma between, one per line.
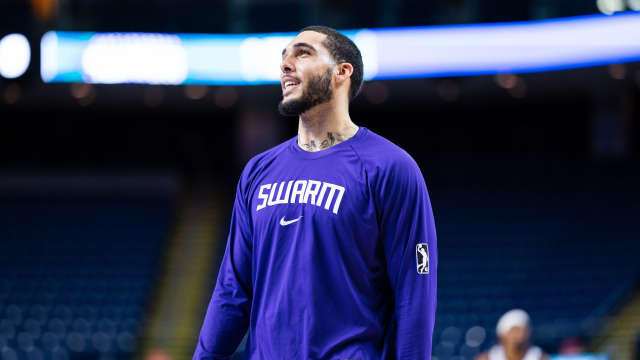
x=497, y=353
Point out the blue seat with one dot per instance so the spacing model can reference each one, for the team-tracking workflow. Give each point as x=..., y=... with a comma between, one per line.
x=75, y=275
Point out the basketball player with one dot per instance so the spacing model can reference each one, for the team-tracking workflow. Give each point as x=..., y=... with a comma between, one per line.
x=322, y=259
x=514, y=334
x=422, y=259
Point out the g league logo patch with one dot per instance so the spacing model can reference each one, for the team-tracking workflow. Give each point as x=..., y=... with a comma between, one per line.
x=422, y=258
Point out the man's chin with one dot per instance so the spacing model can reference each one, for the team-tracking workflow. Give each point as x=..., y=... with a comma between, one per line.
x=292, y=107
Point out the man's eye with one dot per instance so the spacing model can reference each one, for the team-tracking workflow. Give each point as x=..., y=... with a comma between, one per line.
x=303, y=52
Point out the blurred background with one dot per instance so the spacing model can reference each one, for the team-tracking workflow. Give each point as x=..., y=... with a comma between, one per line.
x=116, y=185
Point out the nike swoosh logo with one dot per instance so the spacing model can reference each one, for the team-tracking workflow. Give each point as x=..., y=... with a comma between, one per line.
x=284, y=222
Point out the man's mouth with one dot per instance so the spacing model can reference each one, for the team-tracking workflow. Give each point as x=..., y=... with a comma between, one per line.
x=289, y=85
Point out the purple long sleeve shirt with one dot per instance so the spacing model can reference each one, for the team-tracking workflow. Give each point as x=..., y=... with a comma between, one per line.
x=330, y=255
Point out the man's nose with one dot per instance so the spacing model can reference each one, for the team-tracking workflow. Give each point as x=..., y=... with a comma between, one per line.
x=286, y=65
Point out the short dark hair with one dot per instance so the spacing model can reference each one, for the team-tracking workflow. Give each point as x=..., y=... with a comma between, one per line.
x=343, y=50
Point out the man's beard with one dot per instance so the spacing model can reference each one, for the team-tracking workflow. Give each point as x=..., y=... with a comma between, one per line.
x=318, y=91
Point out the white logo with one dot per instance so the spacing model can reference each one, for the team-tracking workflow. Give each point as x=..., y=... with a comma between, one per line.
x=312, y=192
x=422, y=258
x=284, y=222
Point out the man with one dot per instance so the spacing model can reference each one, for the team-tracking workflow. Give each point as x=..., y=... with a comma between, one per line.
x=322, y=256
x=514, y=334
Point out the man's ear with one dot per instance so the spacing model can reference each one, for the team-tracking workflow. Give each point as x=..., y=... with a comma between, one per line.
x=343, y=72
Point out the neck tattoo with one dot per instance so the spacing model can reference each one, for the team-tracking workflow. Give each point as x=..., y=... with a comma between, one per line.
x=332, y=139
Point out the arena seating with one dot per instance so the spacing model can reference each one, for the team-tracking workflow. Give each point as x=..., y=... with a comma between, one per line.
x=557, y=245
x=76, y=274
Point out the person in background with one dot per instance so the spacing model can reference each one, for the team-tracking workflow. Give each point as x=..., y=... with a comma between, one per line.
x=514, y=334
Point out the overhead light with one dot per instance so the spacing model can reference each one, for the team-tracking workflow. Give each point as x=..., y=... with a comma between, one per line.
x=617, y=71
x=388, y=53
x=225, y=97
x=145, y=58
x=610, y=6
x=15, y=55
x=195, y=92
x=634, y=4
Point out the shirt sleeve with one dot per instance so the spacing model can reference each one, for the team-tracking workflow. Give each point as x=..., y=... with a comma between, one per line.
x=227, y=316
x=409, y=239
